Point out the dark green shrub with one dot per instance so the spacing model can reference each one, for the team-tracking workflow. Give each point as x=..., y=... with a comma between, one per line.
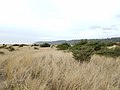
x=22, y=45
x=4, y=45
x=83, y=42
x=45, y=45
x=35, y=45
x=79, y=45
x=96, y=45
x=84, y=50
x=15, y=45
x=82, y=54
x=109, y=52
x=64, y=46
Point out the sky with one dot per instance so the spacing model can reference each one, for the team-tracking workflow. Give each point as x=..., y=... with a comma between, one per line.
x=28, y=21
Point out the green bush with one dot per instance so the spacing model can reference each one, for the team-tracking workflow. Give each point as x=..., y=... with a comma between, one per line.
x=79, y=45
x=109, y=52
x=22, y=45
x=82, y=54
x=64, y=46
x=96, y=45
x=15, y=45
x=35, y=45
x=45, y=45
x=83, y=50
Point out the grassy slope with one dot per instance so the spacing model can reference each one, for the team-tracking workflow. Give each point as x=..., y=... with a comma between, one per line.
x=49, y=69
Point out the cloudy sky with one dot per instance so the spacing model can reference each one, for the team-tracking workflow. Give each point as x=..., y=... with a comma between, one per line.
x=28, y=21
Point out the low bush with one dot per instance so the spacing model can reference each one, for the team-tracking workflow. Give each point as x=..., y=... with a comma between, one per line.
x=109, y=52
x=22, y=45
x=15, y=45
x=11, y=48
x=85, y=49
x=96, y=45
x=45, y=45
x=36, y=48
x=82, y=54
x=64, y=46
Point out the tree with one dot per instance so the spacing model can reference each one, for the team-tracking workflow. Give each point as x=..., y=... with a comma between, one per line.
x=45, y=45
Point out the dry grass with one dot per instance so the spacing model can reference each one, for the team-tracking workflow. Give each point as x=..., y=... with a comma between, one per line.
x=49, y=69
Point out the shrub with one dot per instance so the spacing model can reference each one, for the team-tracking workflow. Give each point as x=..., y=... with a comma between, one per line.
x=36, y=48
x=111, y=43
x=64, y=46
x=3, y=46
x=22, y=45
x=79, y=45
x=35, y=45
x=83, y=42
x=11, y=48
x=2, y=52
x=109, y=52
x=84, y=50
x=45, y=45
x=83, y=54
x=15, y=45
x=96, y=45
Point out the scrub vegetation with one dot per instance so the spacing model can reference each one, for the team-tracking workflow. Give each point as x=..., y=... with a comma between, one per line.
x=51, y=69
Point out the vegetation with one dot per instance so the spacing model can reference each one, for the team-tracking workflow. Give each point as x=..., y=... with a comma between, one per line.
x=72, y=42
x=11, y=48
x=45, y=45
x=3, y=46
x=15, y=45
x=110, y=52
x=50, y=69
x=20, y=45
x=36, y=48
x=84, y=50
x=35, y=45
x=82, y=54
x=64, y=46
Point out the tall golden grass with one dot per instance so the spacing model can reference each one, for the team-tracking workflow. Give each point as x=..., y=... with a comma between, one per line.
x=49, y=69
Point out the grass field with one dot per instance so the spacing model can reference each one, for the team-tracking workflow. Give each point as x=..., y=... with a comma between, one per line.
x=50, y=69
